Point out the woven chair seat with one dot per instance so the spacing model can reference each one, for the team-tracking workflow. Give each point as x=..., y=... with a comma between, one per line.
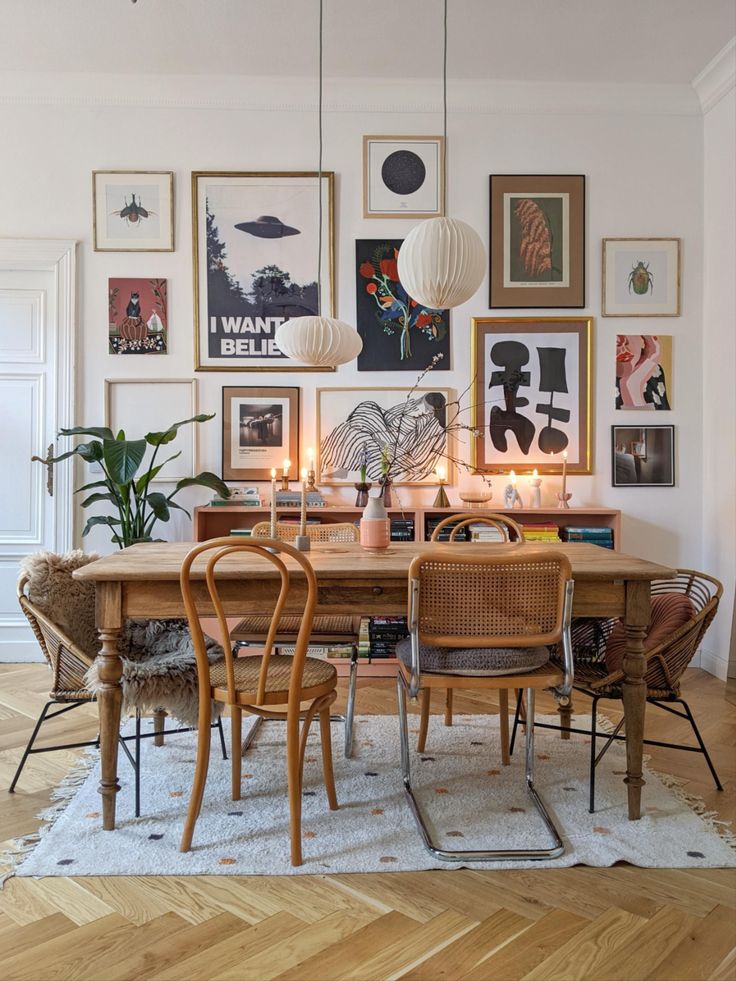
x=325, y=628
x=316, y=674
x=474, y=661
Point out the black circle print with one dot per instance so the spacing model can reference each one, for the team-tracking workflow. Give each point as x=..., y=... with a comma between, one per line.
x=403, y=172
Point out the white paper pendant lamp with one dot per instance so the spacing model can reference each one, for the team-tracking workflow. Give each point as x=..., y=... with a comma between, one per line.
x=442, y=263
x=321, y=342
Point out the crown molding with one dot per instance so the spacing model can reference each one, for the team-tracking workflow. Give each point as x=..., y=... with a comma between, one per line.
x=717, y=78
x=342, y=95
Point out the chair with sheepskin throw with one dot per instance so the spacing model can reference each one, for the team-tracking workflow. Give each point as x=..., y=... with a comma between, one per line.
x=682, y=610
x=159, y=670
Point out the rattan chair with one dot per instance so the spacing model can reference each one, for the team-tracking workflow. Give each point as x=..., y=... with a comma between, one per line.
x=69, y=665
x=512, y=532
x=463, y=606
x=327, y=631
x=666, y=664
x=257, y=682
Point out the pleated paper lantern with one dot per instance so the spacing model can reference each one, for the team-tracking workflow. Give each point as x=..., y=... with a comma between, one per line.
x=442, y=263
x=321, y=342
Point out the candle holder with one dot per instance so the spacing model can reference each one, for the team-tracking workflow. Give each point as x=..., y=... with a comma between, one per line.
x=536, y=494
x=284, y=483
x=303, y=543
x=385, y=494
x=441, y=500
x=311, y=478
x=512, y=498
x=361, y=498
x=563, y=499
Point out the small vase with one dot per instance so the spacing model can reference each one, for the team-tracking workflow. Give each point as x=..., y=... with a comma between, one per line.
x=385, y=495
x=362, y=497
x=375, y=525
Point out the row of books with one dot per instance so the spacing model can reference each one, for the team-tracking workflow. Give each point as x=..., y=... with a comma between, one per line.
x=595, y=536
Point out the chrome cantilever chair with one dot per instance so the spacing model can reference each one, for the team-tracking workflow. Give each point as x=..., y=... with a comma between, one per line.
x=486, y=623
x=510, y=532
x=327, y=630
x=256, y=684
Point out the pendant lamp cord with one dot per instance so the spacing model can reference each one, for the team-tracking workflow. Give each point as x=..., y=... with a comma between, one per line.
x=444, y=101
x=319, y=177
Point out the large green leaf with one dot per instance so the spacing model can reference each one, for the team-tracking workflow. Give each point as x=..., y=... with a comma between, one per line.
x=122, y=458
x=90, y=452
x=100, y=519
x=145, y=479
x=205, y=479
x=94, y=498
x=158, y=439
x=86, y=487
x=100, y=432
x=159, y=505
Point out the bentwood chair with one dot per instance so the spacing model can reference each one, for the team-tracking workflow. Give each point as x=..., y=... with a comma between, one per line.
x=682, y=610
x=486, y=623
x=257, y=683
x=327, y=631
x=510, y=532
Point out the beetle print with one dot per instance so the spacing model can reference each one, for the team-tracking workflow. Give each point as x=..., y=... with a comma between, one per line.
x=640, y=279
x=133, y=212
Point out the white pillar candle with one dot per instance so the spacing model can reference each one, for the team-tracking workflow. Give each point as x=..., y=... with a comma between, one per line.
x=564, y=473
x=310, y=459
x=273, y=502
x=303, y=514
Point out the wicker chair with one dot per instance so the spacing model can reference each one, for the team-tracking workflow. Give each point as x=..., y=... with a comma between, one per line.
x=512, y=532
x=666, y=664
x=476, y=616
x=69, y=665
x=327, y=631
x=256, y=684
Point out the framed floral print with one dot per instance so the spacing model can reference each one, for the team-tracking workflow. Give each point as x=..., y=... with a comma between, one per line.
x=537, y=256
x=641, y=277
x=532, y=394
x=260, y=429
x=256, y=241
x=403, y=177
x=133, y=211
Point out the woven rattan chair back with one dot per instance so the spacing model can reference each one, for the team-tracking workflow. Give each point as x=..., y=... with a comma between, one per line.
x=511, y=531
x=342, y=531
x=272, y=552
x=507, y=601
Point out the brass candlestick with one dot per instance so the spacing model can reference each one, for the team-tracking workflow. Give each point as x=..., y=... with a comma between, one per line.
x=284, y=483
x=311, y=484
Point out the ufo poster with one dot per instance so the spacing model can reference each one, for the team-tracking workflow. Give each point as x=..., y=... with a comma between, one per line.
x=255, y=264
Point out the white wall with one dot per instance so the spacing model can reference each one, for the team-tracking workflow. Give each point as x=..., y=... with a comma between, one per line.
x=719, y=350
x=639, y=147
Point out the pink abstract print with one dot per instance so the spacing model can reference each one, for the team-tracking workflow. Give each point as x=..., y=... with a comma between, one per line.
x=643, y=371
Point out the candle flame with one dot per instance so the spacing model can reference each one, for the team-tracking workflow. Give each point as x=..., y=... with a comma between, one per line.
x=564, y=454
x=535, y=474
x=512, y=475
x=273, y=473
x=441, y=472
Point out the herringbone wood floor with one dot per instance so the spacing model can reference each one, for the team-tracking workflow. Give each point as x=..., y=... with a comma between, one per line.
x=593, y=924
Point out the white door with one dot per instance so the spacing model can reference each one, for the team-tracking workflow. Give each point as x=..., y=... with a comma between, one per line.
x=37, y=279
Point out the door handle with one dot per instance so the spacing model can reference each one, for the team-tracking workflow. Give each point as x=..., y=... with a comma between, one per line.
x=49, y=464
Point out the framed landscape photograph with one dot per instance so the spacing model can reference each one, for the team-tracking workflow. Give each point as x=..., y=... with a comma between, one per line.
x=255, y=264
x=537, y=256
x=398, y=333
x=138, y=318
x=133, y=211
x=403, y=177
x=644, y=371
x=643, y=456
x=641, y=277
x=532, y=394
x=408, y=427
x=260, y=429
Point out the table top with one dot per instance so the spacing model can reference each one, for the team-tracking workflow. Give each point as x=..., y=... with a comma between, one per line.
x=156, y=561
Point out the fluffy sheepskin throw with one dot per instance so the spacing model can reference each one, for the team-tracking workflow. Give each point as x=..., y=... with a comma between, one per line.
x=159, y=667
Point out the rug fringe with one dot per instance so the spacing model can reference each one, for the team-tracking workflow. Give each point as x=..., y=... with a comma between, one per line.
x=698, y=805
x=17, y=849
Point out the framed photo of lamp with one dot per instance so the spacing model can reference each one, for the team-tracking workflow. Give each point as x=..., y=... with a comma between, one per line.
x=537, y=255
x=260, y=429
x=643, y=456
x=641, y=277
x=531, y=394
x=255, y=245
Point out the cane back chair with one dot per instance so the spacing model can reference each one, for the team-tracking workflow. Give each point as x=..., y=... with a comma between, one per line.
x=474, y=618
x=511, y=532
x=327, y=631
x=667, y=660
x=255, y=683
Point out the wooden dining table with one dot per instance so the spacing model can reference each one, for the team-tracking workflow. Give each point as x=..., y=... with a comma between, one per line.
x=142, y=581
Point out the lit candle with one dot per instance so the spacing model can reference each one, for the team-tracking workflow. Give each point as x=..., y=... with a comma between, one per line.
x=536, y=494
x=310, y=459
x=441, y=473
x=287, y=464
x=564, y=473
x=273, y=502
x=303, y=515
x=534, y=474
x=512, y=477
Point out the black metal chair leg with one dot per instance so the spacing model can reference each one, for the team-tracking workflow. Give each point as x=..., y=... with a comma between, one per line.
x=704, y=751
x=519, y=696
x=593, y=747
x=39, y=723
x=137, y=766
x=222, y=737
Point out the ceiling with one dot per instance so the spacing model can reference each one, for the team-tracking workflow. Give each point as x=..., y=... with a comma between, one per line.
x=641, y=41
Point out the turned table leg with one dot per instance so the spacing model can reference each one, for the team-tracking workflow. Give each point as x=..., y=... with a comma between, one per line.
x=110, y=697
x=636, y=621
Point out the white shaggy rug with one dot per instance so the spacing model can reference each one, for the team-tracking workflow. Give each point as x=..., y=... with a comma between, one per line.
x=473, y=802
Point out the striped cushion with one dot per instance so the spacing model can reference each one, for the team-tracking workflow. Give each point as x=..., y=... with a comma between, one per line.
x=482, y=661
x=669, y=612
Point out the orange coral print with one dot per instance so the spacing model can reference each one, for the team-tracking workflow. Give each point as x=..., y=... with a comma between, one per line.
x=536, y=238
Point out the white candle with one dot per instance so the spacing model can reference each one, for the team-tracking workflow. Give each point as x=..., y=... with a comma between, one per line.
x=310, y=459
x=303, y=515
x=287, y=464
x=441, y=473
x=564, y=473
x=273, y=502
x=535, y=474
x=512, y=478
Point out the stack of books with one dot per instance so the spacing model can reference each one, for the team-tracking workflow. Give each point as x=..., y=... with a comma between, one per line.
x=402, y=529
x=240, y=500
x=384, y=634
x=595, y=536
x=544, y=532
x=485, y=533
x=462, y=535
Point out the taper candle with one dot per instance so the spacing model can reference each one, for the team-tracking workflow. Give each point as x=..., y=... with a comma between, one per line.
x=303, y=514
x=273, y=502
x=564, y=472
